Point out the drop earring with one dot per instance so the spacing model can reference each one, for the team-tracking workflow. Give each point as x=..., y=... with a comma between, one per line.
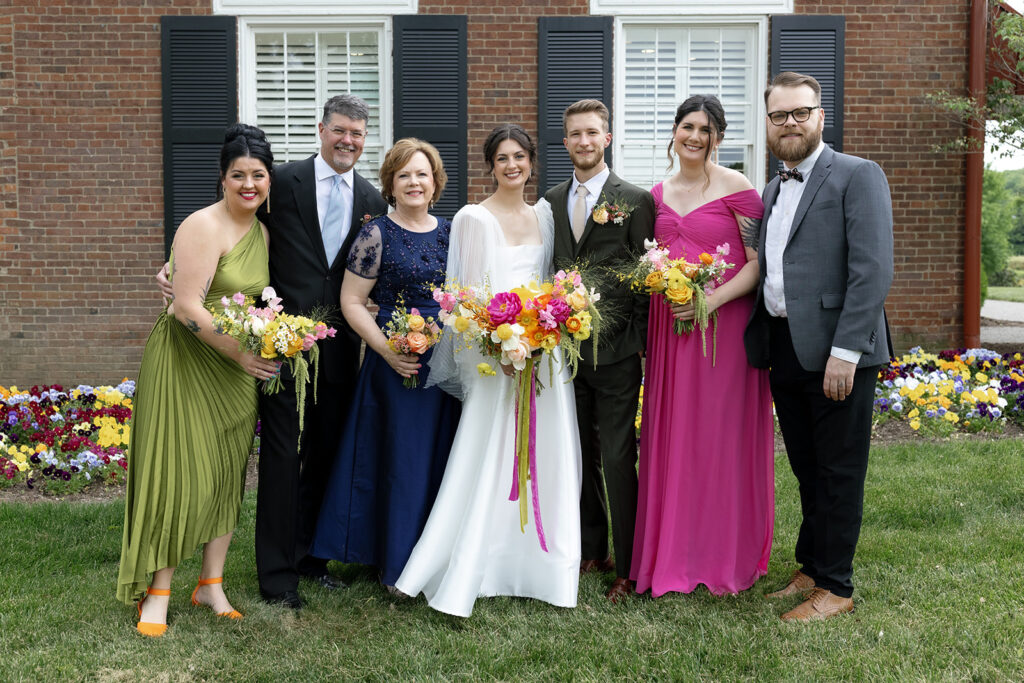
x=268, y=201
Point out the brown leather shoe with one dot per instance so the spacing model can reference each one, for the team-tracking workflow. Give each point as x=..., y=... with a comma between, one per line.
x=604, y=566
x=799, y=584
x=821, y=604
x=620, y=590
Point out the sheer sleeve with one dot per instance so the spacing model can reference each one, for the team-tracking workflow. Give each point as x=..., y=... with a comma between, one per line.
x=547, y=234
x=472, y=247
x=364, y=256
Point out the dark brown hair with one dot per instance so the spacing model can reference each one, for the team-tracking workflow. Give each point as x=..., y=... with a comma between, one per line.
x=791, y=79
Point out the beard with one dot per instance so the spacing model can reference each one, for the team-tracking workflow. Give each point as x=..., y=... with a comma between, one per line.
x=794, y=150
x=587, y=164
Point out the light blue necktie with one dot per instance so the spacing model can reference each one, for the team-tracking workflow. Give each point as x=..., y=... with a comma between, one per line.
x=333, y=221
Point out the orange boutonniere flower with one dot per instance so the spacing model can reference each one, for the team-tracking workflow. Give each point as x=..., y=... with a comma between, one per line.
x=614, y=210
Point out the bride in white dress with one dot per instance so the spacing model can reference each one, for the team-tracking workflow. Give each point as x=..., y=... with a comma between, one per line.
x=472, y=545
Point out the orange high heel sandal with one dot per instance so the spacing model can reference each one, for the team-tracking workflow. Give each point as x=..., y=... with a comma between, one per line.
x=148, y=628
x=233, y=614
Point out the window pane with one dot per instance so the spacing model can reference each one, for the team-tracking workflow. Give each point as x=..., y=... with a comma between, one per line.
x=297, y=71
x=664, y=65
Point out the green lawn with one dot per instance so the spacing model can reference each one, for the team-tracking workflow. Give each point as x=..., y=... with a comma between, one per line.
x=940, y=577
x=1006, y=293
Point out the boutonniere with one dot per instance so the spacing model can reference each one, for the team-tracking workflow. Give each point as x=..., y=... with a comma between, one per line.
x=615, y=210
x=366, y=219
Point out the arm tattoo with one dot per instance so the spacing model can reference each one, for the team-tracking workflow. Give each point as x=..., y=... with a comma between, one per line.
x=750, y=231
x=192, y=325
x=206, y=290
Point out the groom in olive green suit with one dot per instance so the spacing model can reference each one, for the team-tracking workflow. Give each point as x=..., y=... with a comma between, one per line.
x=606, y=396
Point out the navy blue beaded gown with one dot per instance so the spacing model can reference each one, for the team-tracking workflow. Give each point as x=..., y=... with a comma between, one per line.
x=396, y=440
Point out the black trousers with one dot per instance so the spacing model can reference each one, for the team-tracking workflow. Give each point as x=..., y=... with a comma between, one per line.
x=292, y=482
x=606, y=402
x=827, y=442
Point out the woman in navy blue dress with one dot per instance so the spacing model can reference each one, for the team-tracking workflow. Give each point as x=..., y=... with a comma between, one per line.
x=396, y=439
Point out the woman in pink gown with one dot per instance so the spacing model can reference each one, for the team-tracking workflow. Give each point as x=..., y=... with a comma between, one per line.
x=706, y=507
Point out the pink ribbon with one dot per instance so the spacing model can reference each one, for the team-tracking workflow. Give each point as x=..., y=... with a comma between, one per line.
x=532, y=449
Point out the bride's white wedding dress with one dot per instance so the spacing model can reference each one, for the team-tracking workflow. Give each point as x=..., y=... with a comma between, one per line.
x=472, y=545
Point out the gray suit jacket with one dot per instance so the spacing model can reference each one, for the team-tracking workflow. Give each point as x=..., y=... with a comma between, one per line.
x=837, y=265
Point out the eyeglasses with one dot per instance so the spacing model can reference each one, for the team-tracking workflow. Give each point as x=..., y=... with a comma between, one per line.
x=800, y=114
x=355, y=134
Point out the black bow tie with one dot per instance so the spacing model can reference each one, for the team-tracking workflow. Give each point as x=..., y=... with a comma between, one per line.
x=791, y=175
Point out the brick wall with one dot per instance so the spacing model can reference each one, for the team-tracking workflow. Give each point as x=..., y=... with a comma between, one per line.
x=896, y=53
x=80, y=186
x=81, y=210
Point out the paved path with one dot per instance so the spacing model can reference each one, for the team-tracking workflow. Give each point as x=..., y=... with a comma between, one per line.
x=1005, y=311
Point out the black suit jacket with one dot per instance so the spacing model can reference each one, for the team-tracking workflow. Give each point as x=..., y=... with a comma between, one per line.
x=299, y=271
x=609, y=247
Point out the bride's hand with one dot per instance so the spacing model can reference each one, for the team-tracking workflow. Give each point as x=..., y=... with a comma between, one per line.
x=405, y=364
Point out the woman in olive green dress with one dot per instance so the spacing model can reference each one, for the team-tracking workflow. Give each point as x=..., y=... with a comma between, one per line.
x=196, y=402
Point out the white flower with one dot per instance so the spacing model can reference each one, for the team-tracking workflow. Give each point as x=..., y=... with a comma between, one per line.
x=650, y=244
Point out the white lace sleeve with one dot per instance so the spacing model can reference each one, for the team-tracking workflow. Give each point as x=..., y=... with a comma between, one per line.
x=547, y=234
x=472, y=248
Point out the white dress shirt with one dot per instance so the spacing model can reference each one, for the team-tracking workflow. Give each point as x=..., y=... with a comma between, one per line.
x=594, y=186
x=324, y=184
x=780, y=224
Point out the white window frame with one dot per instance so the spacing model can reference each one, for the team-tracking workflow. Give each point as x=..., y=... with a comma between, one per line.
x=318, y=8
x=690, y=8
x=247, y=28
x=756, y=173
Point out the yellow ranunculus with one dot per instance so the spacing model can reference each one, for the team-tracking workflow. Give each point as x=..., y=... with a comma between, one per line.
x=416, y=323
x=654, y=281
x=680, y=295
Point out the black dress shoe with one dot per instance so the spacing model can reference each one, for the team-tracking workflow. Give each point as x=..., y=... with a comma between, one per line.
x=325, y=580
x=289, y=599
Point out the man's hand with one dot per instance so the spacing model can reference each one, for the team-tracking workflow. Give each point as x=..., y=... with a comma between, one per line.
x=838, y=378
x=164, y=283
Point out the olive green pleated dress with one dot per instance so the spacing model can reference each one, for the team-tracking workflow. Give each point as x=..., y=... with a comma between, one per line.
x=192, y=427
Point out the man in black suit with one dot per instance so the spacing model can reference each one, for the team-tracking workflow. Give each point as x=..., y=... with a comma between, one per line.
x=316, y=207
x=826, y=264
x=606, y=396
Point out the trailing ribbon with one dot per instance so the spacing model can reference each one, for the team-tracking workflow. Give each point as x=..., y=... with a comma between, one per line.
x=524, y=465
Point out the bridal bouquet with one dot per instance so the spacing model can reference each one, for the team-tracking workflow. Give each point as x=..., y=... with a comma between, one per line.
x=516, y=328
x=681, y=282
x=410, y=332
x=276, y=336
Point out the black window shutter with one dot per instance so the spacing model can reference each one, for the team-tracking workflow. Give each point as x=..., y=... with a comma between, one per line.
x=430, y=94
x=574, y=62
x=813, y=45
x=200, y=99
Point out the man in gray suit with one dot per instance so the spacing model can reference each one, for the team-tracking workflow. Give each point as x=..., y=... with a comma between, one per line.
x=826, y=264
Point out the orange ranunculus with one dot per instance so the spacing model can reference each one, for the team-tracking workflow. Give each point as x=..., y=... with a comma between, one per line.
x=542, y=300
x=294, y=345
x=707, y=259
x=654, y=281
x=417, y=341
x=573, y=324
x=690, y=270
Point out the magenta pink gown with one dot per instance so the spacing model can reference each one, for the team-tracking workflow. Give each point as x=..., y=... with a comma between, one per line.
x=707, y=498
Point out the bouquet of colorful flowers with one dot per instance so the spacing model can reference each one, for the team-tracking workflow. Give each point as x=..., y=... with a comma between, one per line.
x=681, y=282
x=410, y=332
x=276, y=336
x=516, y=328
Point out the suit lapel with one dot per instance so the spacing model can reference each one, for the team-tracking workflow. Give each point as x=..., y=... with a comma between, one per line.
x=304, y=189
x=822, y=169
x=563, y=232
x=610, y=187
x=359, y=204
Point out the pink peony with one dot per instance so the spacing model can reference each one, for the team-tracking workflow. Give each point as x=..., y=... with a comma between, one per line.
x=559, y=310
x=504, y=307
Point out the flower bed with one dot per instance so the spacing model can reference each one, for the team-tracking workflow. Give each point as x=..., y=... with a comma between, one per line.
x=969, y=390
x=61, y=441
